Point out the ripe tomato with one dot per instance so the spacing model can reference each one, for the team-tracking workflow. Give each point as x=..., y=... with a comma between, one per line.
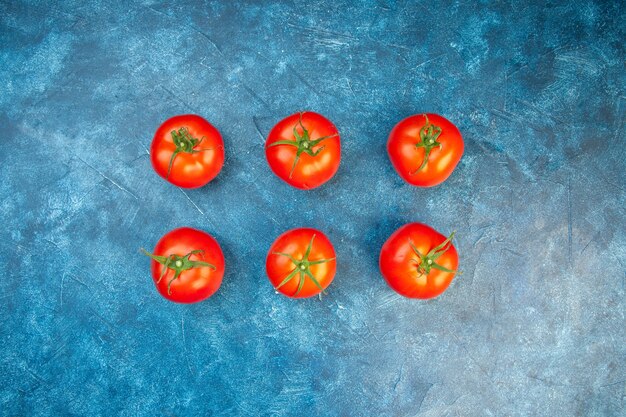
x=187, y=265
x=424, y=149
x=301, y=263
x=187, y=151
x=418, y=262
x=304, y=150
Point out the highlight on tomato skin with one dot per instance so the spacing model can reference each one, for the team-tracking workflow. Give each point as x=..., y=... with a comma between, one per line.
x=304, y=150
x=187, y=265
x=416, y=261
x=301, y=263
x=425, y=149
x=187, y=151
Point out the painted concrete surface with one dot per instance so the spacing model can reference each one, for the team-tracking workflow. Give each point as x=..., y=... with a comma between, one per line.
x=534, y=326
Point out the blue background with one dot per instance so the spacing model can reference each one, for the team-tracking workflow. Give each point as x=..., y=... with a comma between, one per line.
x=534, y=326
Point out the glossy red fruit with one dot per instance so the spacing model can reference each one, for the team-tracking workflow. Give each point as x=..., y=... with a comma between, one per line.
x=301, y=263
x=425, y=149
x=418, y=262
x=187, y=151
x=304, y=150
x=187, y=265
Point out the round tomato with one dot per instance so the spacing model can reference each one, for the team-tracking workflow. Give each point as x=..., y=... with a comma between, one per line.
x=187, y=265
x=418, y=262
x=304, y=150
x=301, y=263
x=187, y=151
x=424, y=149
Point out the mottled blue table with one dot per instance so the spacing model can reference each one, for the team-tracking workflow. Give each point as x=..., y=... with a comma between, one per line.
x=534, y=326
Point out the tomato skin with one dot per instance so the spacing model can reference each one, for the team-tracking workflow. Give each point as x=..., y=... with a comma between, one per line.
x=195, y=284
x=189, y=170
x=398, y=267
x=310, y=171
x=406, y=158
x=295, y=242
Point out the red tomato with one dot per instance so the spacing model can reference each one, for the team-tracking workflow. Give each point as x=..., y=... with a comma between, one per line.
x=301, y=263
x=304, y=150
x=187, y=151
x=187, y=265
x=424, y=149
x=418, y=262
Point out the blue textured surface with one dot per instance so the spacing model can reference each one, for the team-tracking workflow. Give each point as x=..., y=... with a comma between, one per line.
x=534, y=326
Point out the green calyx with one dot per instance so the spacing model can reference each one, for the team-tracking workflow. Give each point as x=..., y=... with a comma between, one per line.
x=429, y=133
x=427, y=262
x=302, y=268
x=302, y=142
x=184, y=143
x=178, y=264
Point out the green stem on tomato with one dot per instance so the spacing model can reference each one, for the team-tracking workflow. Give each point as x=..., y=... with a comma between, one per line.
x=302, y=267
x=178, y=264
x=427, y=262
x=302, y=142
x=184, y=143
x=429, y=134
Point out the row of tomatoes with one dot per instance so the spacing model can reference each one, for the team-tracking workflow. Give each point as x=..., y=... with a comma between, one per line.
x=304, y=150
x=416, y=261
